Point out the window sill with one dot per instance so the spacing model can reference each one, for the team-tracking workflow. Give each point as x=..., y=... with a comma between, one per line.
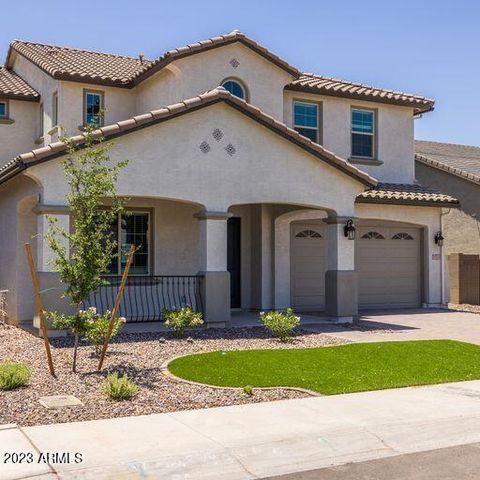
x=6, y=121
x=365, y=161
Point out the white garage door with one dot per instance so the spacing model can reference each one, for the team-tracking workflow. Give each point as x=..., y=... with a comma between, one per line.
x=388, y=263
x=308, y=267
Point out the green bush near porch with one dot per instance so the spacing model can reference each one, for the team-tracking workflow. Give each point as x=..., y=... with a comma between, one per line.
x=333, y=370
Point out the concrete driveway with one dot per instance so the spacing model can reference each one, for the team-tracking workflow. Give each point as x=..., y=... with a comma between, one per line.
x=423, y=324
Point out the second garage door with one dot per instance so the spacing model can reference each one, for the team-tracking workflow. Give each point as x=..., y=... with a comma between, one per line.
x=388, y=263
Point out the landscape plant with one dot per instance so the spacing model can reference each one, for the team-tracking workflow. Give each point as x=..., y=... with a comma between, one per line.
x=84, y=253
x=13, y=375
x=119, y=388
x=280, y=324
x=179, y=320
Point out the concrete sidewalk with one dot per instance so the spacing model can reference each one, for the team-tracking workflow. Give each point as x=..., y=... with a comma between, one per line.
x=252, y=441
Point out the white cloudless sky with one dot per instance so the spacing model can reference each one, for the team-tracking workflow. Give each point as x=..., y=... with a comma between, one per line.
x=426, y=47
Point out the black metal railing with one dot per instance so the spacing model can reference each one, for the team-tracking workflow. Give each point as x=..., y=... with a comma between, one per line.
x=145, y=298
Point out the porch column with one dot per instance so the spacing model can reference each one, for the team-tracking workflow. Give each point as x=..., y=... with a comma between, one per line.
x=49, y=279
x=213, y=266
x=341, y=284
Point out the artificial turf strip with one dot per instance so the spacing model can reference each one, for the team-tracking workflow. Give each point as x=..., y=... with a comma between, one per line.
x=333, y=370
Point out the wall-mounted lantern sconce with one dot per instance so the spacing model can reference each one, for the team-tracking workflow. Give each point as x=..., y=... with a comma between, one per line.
x=349, y=229
x=439, y=239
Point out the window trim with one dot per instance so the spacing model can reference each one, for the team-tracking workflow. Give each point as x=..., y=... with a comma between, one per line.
x=150, y=264
x=360, y=158
x=7, y=109
x=319, y=106
x=54, y=109
x=86, y=91
x=246, y=93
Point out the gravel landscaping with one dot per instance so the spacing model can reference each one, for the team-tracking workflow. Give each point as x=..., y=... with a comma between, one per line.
x=464, y=307
x=141, y=357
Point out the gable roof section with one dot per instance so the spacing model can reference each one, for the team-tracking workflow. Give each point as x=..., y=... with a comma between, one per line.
x=72, y=64
x=311, y=83
x=407, y=194
x=57, y=149
x=460, y=160
x=14, y=87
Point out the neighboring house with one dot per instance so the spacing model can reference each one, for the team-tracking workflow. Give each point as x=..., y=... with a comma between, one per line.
x=455, y=169
x=240, y=195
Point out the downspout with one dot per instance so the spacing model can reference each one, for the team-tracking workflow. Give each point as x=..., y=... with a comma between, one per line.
x=442, y=258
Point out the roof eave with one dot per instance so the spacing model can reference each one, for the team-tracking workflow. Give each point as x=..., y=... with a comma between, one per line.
x=332, y=93
x=411, y=203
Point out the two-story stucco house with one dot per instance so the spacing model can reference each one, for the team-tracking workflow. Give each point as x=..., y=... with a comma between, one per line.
x=243, y=174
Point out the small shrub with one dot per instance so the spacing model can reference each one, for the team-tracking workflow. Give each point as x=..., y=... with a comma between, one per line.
x=97, y=328
x=280, y=324
x=179, y=320
x=248, y=390
x=119, y=388
x=13, y=375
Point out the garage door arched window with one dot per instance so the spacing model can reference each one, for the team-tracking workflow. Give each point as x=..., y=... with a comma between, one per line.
x=373, y=236
x=402, y=236
x=308, y=234
x=235, y=88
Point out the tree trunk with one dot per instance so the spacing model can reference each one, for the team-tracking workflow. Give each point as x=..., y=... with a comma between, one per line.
x=75, y=349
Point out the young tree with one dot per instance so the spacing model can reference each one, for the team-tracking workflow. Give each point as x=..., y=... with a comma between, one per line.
x=94, y=205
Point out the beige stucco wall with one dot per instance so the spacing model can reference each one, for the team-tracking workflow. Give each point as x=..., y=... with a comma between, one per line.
x=266, y=168
x=119, y=104
x=17, y=226
x=45, y=85
x=18, y=137
x=198, y=73
x=395, y=133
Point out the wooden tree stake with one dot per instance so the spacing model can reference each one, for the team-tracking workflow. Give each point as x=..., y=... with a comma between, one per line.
x=40, y=307
x=116, y=306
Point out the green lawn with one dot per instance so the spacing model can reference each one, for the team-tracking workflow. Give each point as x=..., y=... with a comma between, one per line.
x=333, y=370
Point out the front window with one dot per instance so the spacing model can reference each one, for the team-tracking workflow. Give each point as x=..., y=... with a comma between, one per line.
x=93, y=107
x=132, y=228
x=3, y=110
x=363, y=128
x=305, y=119
x=235, y=88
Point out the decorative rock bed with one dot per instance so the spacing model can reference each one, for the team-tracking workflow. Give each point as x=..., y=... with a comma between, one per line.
x=141, y=356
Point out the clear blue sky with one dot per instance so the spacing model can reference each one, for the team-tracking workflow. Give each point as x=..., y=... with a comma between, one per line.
x=428, y=47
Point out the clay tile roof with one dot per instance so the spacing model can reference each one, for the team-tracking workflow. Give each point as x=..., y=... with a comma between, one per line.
x=460, y=160
x=340, y=88
x=406, y=194
x=217, y=95
x=65, y=63
x=13, y=86
x=74, y=64
x=215, y=42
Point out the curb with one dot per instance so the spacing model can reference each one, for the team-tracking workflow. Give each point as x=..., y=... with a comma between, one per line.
x=167, y=373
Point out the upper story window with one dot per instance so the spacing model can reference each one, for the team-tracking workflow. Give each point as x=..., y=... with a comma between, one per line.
x=3, y=109
x=305, y=120
x=363, y=133
x=235, y=88
x=93, y=108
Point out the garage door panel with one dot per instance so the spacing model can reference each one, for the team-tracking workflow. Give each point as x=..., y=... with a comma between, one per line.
x=389, y=267
x=308, y=266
